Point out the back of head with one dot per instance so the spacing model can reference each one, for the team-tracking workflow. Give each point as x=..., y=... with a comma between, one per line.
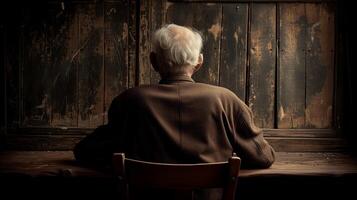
x=177, y=47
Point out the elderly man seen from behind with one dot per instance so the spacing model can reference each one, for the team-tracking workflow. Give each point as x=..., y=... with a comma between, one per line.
x=177, y=120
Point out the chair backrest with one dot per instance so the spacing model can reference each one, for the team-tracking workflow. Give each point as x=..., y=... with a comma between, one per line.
x=177, y=176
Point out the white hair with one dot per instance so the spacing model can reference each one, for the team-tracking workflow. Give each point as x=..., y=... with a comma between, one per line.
x=177, y=45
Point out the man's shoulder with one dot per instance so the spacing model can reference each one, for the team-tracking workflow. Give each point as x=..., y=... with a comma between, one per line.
x=222, y=91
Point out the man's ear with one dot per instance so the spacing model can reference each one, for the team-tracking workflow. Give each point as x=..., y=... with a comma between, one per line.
x=199, y=63
x=154, y=62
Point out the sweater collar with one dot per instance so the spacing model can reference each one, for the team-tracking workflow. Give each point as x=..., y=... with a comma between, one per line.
x=176, y=78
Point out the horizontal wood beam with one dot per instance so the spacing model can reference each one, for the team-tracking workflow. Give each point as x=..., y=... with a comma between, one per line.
x=67, y=142
x=252, y=1
x=295, y=133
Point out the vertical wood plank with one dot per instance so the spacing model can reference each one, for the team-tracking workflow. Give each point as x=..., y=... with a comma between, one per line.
x=62, y=36
x=234, y=48
x=157, y=13
x=291, y=99
x=319, y=65
x=91, y=72
x=262, y=64
x=144, y=42
x=132, y=45
x=116, y=50
x=37, y=77
x=206, y=18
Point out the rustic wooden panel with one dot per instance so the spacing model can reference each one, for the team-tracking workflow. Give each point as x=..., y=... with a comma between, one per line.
x=234, y=48
x=207, y=19
x=262, y=55
x=37, y=66
x=285, y=144
x=132, y=40
x=67, y=142
x=144, y=43
x=62, y=37
x=116, y=50
x=291, y=91
x=253, y=1
x=157, y=16
x=319, y=65
x=301, y=133
x=91, y=72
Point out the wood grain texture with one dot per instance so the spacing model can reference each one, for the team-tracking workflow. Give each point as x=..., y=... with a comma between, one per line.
x=157, y=16
x=116, y=50
x=66, y=139
x=262, y=64
x=234, y=48
x=287, y=164
x=253, y=1
x=62, y=37
x=207, y=19
x=144, y=43
x=291, y=99
x=132, y=45
x=91, y=69
x=320, y=41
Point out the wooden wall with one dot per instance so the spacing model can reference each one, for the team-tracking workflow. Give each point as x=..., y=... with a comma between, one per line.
x=278, y=57
x=64, y=62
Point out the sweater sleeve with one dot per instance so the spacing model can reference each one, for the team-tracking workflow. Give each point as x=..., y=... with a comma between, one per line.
x=98, y=147
x=250, y=144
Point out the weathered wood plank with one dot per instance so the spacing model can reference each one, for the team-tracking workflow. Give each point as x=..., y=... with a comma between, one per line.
x=291, y=99
x=207, y=19
x=283, y=133
x=157, y=19
x=254, y=1
x=301, y=133
x=37, y=69
x=144, y=43
x=262, y=64
x=234, y=48
x=132, y=46
x=67, y=142
x=319, y=65
x=308, y=144
x=287, y=164
x=62, y=36
x=116, y=50
x=91, y=72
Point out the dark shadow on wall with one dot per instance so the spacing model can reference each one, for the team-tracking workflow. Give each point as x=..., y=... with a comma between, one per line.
x=346, y=66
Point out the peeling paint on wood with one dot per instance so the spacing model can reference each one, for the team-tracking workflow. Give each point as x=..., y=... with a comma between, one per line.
x=144, y=43
x=202, y=17
x=291, y=99
x=77, y=59
x=64, y=38
x=157, y=13
x=319, y=65
x=262, y=64
x=116, y=50
x=234, y=48
x=91, y=69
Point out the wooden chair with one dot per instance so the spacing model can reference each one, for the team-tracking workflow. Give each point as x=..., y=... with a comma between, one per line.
x=177, y=176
